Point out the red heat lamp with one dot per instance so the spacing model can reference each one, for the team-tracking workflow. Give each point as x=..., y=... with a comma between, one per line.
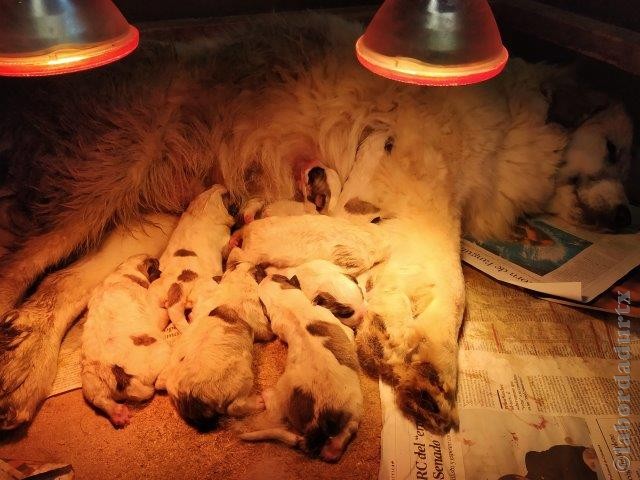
x=433, y=42
x=49, y=37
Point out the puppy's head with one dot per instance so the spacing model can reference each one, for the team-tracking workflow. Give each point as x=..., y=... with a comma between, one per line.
x=322, y=187
x=590, y=180
x=215, y=202
x=343, y=298
x=142, y=266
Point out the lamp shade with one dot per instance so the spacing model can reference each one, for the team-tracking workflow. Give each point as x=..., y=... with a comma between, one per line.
x=48, y=37
x=433, y=42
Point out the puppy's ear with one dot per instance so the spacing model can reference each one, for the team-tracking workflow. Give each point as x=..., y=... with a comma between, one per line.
x=259, y=273
x=295, y=282
x=150, y=268
x=570, y=104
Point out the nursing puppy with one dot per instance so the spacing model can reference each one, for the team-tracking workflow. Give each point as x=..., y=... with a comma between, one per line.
x=194, y=251
x=290, y=241
x=320, y=189
x=210, y=371
x=325, y=285
x=123, y=348
x=316, y=404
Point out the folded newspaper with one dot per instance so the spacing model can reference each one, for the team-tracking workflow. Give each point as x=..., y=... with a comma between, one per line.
x=554, y=258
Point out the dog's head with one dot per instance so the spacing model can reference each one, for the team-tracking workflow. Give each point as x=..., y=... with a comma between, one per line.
x=142, y=266
x=590, y=180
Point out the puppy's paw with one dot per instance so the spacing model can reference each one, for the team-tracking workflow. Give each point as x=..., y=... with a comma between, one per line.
x=28, y=363
x=426, y=386
x=120, y=416
x=374, y=348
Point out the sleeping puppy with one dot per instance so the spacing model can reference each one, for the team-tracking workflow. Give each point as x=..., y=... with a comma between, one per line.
x=210, y=371
x=319, y=187
x=123, y=348
x=316, y=404
x=325, y=285
x=255, y=209
x=290, y=241
x=194, y=251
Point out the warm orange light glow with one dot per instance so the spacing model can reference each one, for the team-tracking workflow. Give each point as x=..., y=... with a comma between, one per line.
x=410, y=70
x=70, y=59
x=61, y=36
x=433, y=42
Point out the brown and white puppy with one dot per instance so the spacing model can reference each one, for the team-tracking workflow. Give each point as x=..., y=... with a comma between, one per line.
x=123, y=348
x=210, y=371
x=255, y=209
x=290, y=241
x=194, y=252
x=319, y=187
x=325, y=285
x=316, y=404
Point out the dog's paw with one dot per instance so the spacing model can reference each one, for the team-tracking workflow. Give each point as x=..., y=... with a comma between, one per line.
x=120, y=416
x=426, y=384
x=28, y=363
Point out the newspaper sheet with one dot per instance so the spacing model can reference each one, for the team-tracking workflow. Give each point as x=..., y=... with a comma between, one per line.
x=539, y=398
x=550, y=256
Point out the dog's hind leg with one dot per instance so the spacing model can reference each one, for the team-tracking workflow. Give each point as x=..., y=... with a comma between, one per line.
x=19, y=269
x=30, y=336
x=416, y=303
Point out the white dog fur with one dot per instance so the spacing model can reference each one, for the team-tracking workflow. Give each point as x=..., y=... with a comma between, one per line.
x=194, y=252
x=123, y=346
x=150, y=133
x=326, y=285
x=210, y=371
x=316, y=404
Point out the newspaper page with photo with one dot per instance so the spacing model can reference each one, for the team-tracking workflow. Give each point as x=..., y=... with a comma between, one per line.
x=539, y=398
x=550, y=256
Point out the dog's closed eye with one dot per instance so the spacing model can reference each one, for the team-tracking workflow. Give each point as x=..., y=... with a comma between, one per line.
x=612, y=153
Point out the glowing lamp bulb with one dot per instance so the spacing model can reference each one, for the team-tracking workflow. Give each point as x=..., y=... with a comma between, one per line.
x=433, y=42
x=49, y=37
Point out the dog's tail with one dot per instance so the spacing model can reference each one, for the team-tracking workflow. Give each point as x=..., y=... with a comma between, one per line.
x=277, y=433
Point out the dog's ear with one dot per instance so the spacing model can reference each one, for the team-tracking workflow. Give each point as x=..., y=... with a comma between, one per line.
x=295, y=282
x=570, y=104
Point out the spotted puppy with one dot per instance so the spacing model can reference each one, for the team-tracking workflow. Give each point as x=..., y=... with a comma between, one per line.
x=325, y=285
x=210, y=370
x=123, y=348
x=316, y=404
x=290, y=241
x=319, y=192
x=194, y=251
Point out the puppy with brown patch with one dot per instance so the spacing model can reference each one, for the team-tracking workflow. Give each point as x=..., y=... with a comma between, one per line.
x=194, y=252
x=325, y=285
x=123, y=348
x=316, y=404
x=210, y=371
x=319, y=189
x=291, y=241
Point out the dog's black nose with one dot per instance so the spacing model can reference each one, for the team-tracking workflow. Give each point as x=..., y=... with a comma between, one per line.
x=621, y=217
